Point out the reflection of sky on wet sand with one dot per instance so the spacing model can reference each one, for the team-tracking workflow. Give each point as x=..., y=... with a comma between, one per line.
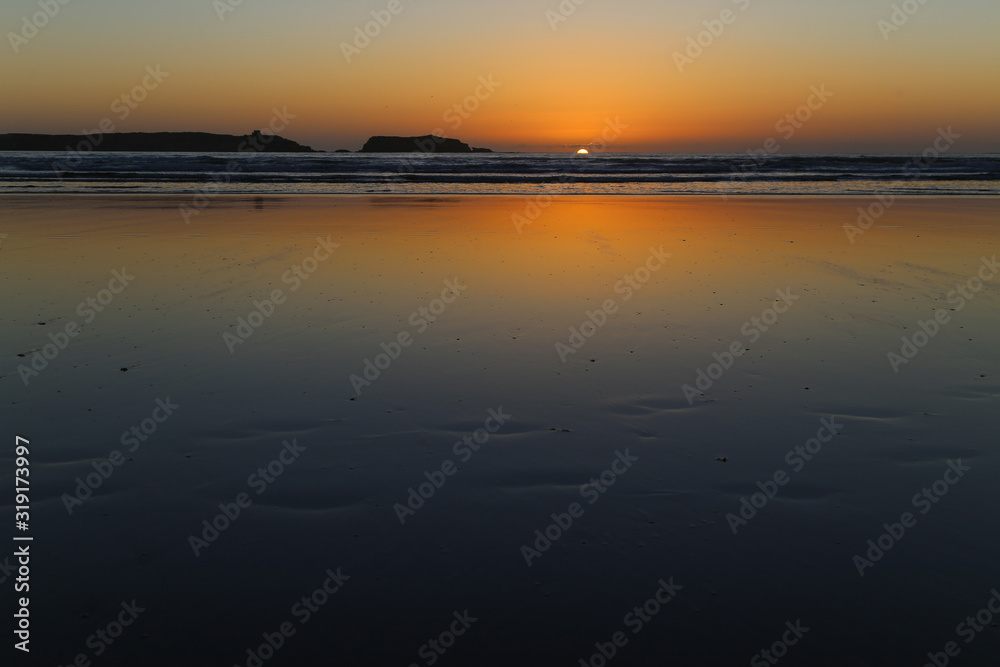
x=495, y=346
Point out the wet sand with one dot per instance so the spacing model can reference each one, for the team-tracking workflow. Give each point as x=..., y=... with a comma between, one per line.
x=657, y=289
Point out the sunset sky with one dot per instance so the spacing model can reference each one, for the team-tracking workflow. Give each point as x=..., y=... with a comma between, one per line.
x=556, y=87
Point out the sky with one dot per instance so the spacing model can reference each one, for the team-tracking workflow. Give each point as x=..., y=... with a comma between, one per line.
x=795, y=76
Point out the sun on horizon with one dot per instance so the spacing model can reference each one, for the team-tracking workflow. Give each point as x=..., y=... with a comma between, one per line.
x=583, y=151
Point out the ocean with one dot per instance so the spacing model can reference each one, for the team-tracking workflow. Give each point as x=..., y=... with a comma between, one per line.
x=74, y=172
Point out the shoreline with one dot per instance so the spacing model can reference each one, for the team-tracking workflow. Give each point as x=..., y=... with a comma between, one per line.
x=493, y=195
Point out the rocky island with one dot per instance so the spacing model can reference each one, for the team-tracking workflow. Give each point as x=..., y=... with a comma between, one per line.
x=428, y=143
x=154, y=142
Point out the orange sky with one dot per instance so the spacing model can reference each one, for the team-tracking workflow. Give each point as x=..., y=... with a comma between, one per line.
x=555, y=88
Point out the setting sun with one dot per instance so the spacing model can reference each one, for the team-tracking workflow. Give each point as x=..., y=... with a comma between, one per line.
x=583, y=151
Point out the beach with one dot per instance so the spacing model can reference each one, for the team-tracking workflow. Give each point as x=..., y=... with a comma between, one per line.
x=646, y=430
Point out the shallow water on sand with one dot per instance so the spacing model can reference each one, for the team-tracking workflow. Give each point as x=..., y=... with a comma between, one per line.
x=672, y=287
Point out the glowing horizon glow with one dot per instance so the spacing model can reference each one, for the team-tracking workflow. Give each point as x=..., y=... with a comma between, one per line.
x=583, y=151
x=450, y=66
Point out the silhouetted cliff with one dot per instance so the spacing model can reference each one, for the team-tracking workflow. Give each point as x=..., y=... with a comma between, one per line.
x=425, y=144
x=167, y=142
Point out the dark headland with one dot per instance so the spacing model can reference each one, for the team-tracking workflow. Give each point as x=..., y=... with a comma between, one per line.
x=165, y=142
x=428, y=143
